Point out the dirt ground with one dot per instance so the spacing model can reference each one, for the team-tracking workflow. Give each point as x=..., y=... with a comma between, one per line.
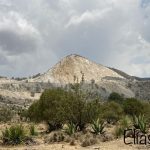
x=113, y=145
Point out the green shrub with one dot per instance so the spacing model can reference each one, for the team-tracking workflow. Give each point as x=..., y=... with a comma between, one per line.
x=77, y=109
x=13, y=135
x=94, y=109
x=115, y=97
x=140, y=123
x=133, y=107
x=70, y=129
x=146, y=110
x=98, y=126
x=49, y=108
x=58, y=106
x=111, y=111
x=126, y=122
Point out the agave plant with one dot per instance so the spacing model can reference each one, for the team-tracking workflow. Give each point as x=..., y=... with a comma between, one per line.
x=98, y=126
x=139, y=122
x=13, y=135
x=70, y=129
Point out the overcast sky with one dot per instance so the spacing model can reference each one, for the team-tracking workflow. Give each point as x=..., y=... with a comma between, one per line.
x=35, y=34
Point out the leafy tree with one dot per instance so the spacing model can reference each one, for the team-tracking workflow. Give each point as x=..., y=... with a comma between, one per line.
x=49, y=108
x=78, y=110
x=59, y=106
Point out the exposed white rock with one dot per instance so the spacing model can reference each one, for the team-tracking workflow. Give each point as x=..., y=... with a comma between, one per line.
x=72, y=68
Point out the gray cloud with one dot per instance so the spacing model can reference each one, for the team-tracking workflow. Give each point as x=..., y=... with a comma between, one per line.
x=34, y=35
x=3, y=60
x=14, y=43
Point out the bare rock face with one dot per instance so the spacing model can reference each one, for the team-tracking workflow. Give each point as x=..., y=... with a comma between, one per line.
x=73, y=68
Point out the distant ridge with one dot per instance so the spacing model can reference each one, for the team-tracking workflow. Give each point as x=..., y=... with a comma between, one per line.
x=125, y=75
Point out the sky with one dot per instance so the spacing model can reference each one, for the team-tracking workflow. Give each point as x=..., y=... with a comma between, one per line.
x=36, y=34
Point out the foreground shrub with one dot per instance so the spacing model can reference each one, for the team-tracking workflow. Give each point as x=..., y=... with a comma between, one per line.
x=78, y=110
x=112, y=112
x=133, y=107
x=140, y=123
x=88, y=142
x=70, y=129
x=49, y=108
x=126, y=122
x=98, y=126
x=13, y=135
x=56, y=136
x=146, y=110
x=57, y=107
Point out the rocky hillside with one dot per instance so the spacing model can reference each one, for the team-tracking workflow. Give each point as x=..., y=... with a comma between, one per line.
x=73, y=68
x=97, y=79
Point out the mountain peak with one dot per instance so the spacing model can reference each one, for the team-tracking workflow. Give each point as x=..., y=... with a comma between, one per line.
x=75, y=66
x=72, y=56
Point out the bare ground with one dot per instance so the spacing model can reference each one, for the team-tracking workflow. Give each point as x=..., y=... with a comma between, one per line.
x=113, y=145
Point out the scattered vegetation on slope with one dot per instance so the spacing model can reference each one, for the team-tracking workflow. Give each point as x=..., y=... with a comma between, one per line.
x=70, y=112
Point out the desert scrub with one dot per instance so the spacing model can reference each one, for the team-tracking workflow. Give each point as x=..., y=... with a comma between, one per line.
x=112, y=112
x=56, y=136
x=6, y=114
x=119, y=130
x=13, y=135
x=70, y=128
x=98, y=126
x=58, y=106
x=126, y=122
x=139, y=122
x=32, y=130
x=88, y=141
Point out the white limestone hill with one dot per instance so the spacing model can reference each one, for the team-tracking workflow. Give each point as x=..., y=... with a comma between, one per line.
x=73, y=68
